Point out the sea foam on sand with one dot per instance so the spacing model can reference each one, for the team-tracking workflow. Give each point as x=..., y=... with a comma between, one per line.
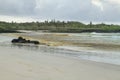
x=19, y=64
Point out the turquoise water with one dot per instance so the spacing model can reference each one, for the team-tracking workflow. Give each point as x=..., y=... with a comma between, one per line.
x=99, y=56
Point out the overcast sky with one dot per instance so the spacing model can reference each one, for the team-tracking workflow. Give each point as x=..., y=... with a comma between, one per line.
x=78, y=10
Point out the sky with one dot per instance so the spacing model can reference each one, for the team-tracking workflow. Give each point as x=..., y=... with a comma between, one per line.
x=68, y=10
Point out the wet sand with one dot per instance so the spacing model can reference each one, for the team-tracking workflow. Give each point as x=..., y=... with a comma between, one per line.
x=19, y=64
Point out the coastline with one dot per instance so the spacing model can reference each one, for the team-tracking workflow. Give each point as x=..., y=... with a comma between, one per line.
x=63, y=39
x=63, y=44
x=17, y=64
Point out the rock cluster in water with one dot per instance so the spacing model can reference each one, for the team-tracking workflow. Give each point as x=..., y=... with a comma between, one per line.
x=23, y=40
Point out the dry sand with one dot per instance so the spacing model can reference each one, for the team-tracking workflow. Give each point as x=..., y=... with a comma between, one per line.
x=19, y=64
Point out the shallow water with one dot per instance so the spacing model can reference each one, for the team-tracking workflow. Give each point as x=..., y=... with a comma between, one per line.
x=107, y=38
x=99, y=56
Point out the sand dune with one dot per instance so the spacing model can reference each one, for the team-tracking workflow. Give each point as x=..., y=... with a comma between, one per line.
x=19, y=64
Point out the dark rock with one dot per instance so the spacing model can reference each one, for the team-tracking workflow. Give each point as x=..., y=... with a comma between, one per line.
x=15, y=41
x=35, y=42
x=22, y=40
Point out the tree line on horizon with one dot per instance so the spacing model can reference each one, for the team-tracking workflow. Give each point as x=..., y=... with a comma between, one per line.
x=59, y=26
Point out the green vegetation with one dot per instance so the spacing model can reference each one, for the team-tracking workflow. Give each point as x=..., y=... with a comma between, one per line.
x=58, y=26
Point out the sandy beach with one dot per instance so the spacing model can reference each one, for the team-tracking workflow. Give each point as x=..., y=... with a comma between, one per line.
x=59, y=39
x=27, y=64
x=19, y=64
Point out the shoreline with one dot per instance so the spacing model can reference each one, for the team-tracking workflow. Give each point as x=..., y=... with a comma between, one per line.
x=52, y=39
x=22, y=64
x=92, y=51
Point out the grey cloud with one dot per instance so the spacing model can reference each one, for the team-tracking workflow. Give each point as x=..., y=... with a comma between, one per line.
x=17, y=7
x=110, y=12
x=82, y=10
x=65, y=9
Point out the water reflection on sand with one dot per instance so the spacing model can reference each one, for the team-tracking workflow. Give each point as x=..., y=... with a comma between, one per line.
x=94, y=55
